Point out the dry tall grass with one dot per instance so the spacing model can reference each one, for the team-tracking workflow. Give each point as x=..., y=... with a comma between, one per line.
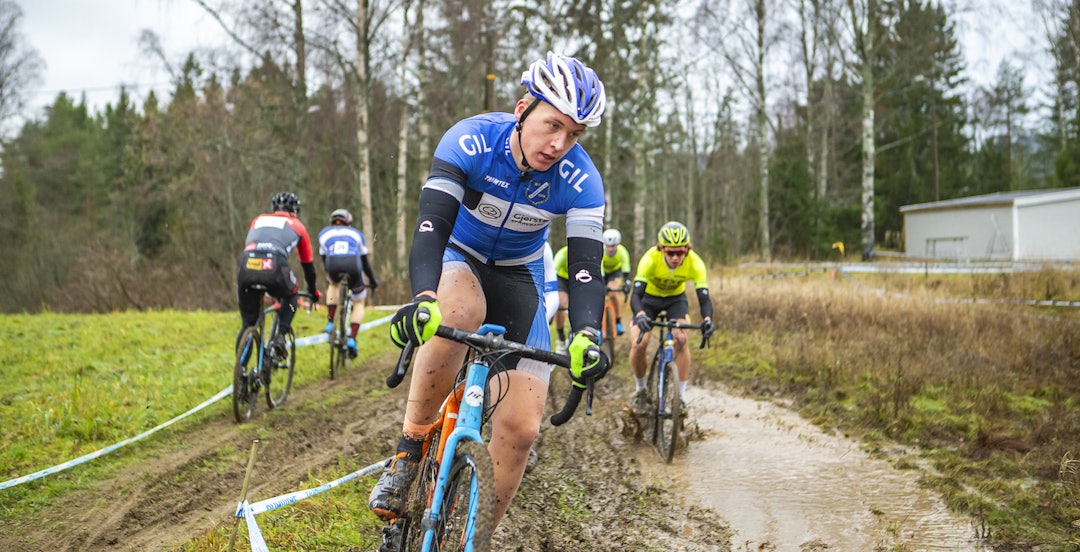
x=995, y=386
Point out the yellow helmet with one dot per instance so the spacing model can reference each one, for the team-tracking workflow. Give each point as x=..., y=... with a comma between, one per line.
x=673, y=234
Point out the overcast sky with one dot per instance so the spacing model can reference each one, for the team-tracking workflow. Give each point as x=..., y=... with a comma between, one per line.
x=91, y=46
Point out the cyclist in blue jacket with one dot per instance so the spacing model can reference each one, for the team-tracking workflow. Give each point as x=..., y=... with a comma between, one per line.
x=344, y=252
x=497, y=181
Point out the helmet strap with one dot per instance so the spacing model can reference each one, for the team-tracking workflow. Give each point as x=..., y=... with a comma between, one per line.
x=520, y=122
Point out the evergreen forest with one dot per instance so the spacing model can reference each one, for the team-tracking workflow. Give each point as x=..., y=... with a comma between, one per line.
x=772, y=128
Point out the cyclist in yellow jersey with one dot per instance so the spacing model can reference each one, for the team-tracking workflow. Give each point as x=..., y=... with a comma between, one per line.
x=660, y=286
x=615, y=266
x=562, y=274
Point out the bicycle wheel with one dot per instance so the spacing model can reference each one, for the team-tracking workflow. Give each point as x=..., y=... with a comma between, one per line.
x=281, y=373
x=608, y=331
x=652, y=394
x=245, y=383
x=470, y=495
x=669, y=419
x=339, y=356
x=410, y=534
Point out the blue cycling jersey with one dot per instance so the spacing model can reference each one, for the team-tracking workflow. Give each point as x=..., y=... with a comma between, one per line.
x=342, y=241
x=505, y=214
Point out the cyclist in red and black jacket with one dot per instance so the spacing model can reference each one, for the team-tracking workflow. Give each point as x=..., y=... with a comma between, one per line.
x=270, y=239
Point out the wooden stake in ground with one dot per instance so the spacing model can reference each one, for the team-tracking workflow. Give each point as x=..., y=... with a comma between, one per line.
x=244, y=490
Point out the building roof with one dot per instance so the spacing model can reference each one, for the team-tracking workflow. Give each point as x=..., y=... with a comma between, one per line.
x=998, y=199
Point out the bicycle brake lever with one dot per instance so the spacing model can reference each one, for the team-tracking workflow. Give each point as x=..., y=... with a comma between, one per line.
x=589, y=389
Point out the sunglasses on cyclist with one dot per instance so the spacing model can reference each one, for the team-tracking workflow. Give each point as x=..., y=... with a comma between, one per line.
x=676, y=251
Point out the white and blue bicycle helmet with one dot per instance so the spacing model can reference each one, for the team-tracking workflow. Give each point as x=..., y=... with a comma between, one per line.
x=569, y=86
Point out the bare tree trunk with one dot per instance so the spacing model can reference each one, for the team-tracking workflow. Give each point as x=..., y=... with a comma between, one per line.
x=868, y=153
x=301, y=53
x=863, y=30
x=363, y=174
x=641, y=194
x=609, y=111
x=403, y=143
x=762, y=123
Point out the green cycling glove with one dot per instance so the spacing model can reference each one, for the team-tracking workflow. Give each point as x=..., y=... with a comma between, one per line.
x=405, y=327
x=582, y=366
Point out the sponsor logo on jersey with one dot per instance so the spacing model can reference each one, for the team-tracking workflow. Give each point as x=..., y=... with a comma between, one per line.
x=583, y=276
x=538, y=192
x=489, y=211
x=425, y=226
x=528, y=220
x=571, y=174
x=256, y=263
x=500, y=183
x=474, y=144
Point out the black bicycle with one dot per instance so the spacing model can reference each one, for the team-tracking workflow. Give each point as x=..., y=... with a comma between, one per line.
x=339, y=338
x=264, y=362
x=663, y=388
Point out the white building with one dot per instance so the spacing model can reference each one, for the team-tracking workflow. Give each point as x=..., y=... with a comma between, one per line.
x=1033, y=225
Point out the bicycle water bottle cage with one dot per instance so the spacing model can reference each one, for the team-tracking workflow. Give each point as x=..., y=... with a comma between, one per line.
x=493, y=329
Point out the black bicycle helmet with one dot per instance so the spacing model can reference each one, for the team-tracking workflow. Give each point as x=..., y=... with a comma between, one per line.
x=286, y=201
x=341, y=216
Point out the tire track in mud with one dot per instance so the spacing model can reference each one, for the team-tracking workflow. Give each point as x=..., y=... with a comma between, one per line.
x=196, y=480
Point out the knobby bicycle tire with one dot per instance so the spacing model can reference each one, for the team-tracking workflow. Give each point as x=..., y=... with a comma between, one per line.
x=669, y=420
x=652, y=381
x=245, y=385
x=609, y=331
x=339, y=355
x=472, y=467
x=281, y=373
x=412, y=538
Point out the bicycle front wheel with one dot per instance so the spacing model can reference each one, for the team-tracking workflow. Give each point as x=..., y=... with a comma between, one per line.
x=669, y=419
x=245, y=385
x=468, y=507
x=609, y=332
x=281, y=373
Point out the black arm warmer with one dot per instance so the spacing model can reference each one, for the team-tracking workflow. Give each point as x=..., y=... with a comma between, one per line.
x=636, y=298
x=366, y=266
x=435, y=221
x=309, y=275
x=585, y=282
x=704, y=302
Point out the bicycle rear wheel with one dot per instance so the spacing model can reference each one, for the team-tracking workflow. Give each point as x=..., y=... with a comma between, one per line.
x=468, y=506
x=339, y=355
x=245, y=383
x=669, y=418
x=281, y=373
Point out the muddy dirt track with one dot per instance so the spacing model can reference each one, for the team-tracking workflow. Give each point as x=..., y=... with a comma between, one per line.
x=191, y=481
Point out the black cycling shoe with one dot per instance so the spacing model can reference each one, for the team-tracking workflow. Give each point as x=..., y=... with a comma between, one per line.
x=389, y=494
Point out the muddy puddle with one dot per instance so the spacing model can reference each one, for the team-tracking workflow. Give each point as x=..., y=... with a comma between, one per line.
x=785, y=486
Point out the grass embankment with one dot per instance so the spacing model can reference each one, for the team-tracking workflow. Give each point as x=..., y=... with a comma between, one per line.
x=987, y=393
x=74, y=384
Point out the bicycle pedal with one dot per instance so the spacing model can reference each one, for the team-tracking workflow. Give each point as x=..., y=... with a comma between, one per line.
x=392, y=535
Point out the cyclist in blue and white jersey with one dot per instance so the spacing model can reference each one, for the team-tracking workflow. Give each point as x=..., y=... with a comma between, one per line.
x=344, y=251
x=497, y=181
